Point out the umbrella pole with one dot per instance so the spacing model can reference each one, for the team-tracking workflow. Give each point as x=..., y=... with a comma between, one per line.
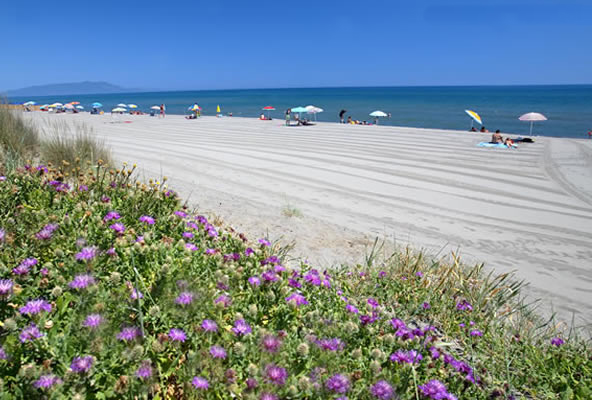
x=531, y=122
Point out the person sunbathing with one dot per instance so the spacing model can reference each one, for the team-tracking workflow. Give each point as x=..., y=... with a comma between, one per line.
x=497, y=137
x=509, y=143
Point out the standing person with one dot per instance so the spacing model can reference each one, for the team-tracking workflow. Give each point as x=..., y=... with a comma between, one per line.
x=288, y=117
x=162, y=108
x=341, y=114
x=590, y=134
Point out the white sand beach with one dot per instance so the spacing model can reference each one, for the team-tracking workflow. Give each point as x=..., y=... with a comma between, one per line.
x=527, y=209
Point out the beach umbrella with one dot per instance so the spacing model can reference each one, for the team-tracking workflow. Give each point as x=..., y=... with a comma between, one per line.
x=118, y=110
x=218, y=108
x=155, y=108
x=194, y=107
x=377, y=114
x=474, y=117
x=268, y=109
x=299, y=110
x=122, y=105
x=97, y=105
x=74, y=103
x=57, y=105
x=29, y=103
x=532, y=117
x=314, y=110
x=80, y=107
x=132, y=106
x=44, y=107
x=69, y=106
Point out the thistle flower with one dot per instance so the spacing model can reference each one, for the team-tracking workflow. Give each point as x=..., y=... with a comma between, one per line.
x=464, y=305
x=338, y=383
x=177, y=335
x=264, y=242
x=476, y=332
x=217, y=352
x=3, y=355
x=129, y=333
x=224, y=300
x=81, y=364
x=5, y=287
x=241, y=328
x=251, y=383
x=373, y=303
x=275, y=374
x=92, y=321
x=46, y=381
x=83, y=188
x=200, y=383
x=268, y=396
x=181, y=214
x=333, y=344
x=382, y=390
x=426, y=305
x=47, y=232
x=144, y=371
x=254, y=281
x=136, y=294
x=352, y=309
x=297, y=299
x=2, y=234
x=25, y=266
x=209, y=326
x=270, y=276
x=188, y=235
x=294, y=283
x=184, y=298
x=249, y=251
x=407, y=357
x=82, y=281
x=148, y=220
x=118, y=227
x=111, y=215
x=557, y=341
x=87, y=253
x=436, y=390
x=271, y=343
x=35, y=307
x=30, y=333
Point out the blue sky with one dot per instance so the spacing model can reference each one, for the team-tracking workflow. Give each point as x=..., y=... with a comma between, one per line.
x=261, y=44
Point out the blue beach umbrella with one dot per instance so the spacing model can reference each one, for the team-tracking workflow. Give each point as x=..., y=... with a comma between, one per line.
x=97, y=105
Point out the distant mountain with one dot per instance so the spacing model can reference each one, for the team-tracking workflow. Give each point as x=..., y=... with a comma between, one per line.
x=69, y=88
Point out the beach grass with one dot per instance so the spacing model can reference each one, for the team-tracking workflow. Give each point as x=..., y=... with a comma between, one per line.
x=18, y=139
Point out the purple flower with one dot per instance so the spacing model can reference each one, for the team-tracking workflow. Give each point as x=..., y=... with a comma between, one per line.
x=557, y=341
x=136, y=294
x=254, y=281
x=275, y=374
x=105, y=199
x=177, y=335
x=382, y=390
x=82, y=281
x=46, y=381
x=2, y=234
x=373, y=303
x=129, y=333
x=270, y=276
x=264, y=242
x=87, y=253
x=436, y=390
x=145, y=370
x=434, y=353
x=223, y=299
x=241, y=328
x=30, y=333
x=211, y=251
x=184, y=298
x=249, y=251
x=251, y=383
x=181, y=214
x=419, y=274
x=313, y=278
x=338, y=383
x=3, y=355
x=297, y=299
x=147, y=220
x=352, y=309
x=25, y=266
x=369, y=319
x=209, y=326
x=35, y=307
x=81, y=364
x=46, y=232
x=268, y=396
x=188, y=235
x=294, y=283
x=111, y=215
x=83, y=188
x=476, y=332
x=5, y=287
x=111, y=251
x=191, y=247
x=271, y=343
x=381, y=274
x=200, y=383
x=464, y=305
x=407, y=357
x=118, y=227
x=333, y=344
x=426, y=306
x=217, y=352
x=92, y=321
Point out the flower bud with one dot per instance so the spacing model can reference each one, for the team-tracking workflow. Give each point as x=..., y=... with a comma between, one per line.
x=302, y=349
x=357, y=353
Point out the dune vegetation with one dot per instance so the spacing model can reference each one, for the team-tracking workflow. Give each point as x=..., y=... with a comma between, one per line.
x=114, y=288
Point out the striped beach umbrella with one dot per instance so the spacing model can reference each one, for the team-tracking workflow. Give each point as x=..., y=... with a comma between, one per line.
x=474, y=117
x=268, y=109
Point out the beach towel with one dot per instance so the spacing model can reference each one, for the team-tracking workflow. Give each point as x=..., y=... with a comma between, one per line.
x=495, y=145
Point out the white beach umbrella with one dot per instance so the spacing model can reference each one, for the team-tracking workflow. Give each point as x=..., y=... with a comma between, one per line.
x=532, y=117
x=122, y=105
x=80, y=107
x=132, y=106
x=378, y=113
x=29, y=103
x=155, y=108
x=314, y=110
x=118, y=110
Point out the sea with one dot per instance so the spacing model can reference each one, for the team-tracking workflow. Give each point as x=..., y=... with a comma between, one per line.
x=568, y=108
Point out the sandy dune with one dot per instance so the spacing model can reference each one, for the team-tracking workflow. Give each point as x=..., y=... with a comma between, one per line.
x=528, y=210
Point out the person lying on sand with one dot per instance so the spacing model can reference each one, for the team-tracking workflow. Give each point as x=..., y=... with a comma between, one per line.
x=483, y=129
x=509, y=143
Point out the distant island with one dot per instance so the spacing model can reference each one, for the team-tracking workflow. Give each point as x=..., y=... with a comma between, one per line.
x=56, y=89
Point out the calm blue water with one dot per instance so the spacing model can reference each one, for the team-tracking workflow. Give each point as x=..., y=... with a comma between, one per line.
x=568, y=108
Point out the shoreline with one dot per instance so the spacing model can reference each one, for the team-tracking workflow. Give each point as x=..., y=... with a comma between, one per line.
x=527, y=209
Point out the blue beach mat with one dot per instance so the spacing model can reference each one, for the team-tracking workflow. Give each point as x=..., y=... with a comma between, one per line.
x=495, y=145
